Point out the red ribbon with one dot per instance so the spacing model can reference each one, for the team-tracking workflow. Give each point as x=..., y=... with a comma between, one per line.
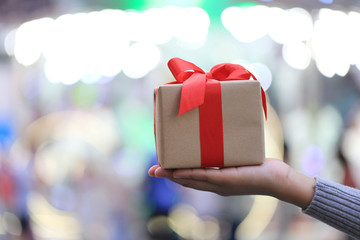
x=194, y=79
x=203, y=90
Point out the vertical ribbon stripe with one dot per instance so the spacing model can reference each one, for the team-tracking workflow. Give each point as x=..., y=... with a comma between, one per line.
x=211, y=127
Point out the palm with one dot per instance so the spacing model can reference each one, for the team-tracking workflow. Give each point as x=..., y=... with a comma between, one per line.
x=244, y=180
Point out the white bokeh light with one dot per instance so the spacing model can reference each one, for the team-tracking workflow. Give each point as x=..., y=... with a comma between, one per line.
x=62, y=72
x=287, y=26
x=297, y=55
x=331, y=44
x=135, y=26
x=246, y=25
x=354, y=39
x=111, y=45
x=157, y=27
x=29, y=40
x=193, y=26
x=228, y=17
x=9, y=42
x=141, y=59
x=283, y=26
x=98, y=43
x=324, y=67
x=262, y=73
x=93, y=45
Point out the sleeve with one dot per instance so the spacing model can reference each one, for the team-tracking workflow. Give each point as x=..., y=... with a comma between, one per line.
x=336, y=205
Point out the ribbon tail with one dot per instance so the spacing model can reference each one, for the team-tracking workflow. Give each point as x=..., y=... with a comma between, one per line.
x=192, y=93
x=263, y=98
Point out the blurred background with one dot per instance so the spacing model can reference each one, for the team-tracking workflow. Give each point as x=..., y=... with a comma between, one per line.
x=76, y=112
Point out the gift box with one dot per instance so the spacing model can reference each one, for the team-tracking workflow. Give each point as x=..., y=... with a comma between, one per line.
x=213, y=119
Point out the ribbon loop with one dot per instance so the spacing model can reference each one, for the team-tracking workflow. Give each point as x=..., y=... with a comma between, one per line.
x=194, y=81
x=182, y=69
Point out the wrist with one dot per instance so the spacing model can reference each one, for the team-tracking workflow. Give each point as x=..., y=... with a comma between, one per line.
x=299, y=189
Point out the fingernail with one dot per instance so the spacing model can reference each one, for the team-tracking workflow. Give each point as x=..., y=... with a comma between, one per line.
x=151, y=172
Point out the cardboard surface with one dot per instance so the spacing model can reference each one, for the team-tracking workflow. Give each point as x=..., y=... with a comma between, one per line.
x=178, y=138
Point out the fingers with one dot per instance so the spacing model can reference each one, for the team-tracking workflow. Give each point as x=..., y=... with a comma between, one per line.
x=195, y=178
x=191, y=178
x=200, y=174
x=157, y=171
x=151, y=171
x=198, y=185
x=163, y=173
x=196, y=174
x=215, y=176
x=225, y=176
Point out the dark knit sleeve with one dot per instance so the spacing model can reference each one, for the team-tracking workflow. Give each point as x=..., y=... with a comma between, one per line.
x=337, y=205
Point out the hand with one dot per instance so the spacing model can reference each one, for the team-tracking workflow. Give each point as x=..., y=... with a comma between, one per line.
x=272, y=178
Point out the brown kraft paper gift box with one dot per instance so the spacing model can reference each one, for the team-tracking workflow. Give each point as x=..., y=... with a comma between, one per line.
x=178, y=137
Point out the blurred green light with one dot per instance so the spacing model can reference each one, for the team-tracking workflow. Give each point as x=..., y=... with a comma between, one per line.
x=137, y=125
x=143, y=4
x=247, y=4
x=85, y=94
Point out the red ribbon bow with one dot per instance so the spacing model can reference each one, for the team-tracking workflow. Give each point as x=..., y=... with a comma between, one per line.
x=194, y=80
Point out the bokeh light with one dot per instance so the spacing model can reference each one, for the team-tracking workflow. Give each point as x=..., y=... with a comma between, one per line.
x=142, y=58
x=297, y=55
x=49, y=222
x=313, y=161
x=57, y=161
x=182, y=220
x=6, y=131
x=11, y=224
x=258, y=218
x=292, y=25
x=262, y=73
x=327, y=37
x=246, y=24
x=62, y=197
x=77, y=46
x=9, y=42
x=29, y=40
x=326, y=1
x=330, y=31
x=128, y=165
x=193, y=25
